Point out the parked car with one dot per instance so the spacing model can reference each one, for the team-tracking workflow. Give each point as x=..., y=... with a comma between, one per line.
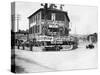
x=52, y=48
x=91, y=46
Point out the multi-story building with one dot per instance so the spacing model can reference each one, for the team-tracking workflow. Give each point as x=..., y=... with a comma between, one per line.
x=49, y=22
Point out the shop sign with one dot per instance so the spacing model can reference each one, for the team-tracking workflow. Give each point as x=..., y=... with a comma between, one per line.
x=44, y=38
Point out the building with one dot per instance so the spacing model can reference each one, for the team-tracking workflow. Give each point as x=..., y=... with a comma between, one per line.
x=49, y=21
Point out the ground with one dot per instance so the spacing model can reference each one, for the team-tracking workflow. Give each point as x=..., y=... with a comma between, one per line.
x=80, y=58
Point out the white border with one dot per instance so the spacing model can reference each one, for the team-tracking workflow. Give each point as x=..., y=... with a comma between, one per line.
x=5, y=36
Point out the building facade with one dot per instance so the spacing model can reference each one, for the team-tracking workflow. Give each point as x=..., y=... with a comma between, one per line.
x=49, y=22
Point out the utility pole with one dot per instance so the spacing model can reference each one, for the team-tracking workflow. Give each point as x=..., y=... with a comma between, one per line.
x=18, y=18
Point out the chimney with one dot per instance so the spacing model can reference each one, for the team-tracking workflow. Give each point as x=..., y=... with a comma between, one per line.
x=46, y=6
x=61, y=7
x=52, y=6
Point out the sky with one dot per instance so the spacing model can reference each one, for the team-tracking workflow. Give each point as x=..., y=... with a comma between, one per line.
x=83, y=19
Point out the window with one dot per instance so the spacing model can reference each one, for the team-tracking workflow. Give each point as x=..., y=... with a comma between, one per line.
x=53, y=16
x=39, y=16
x=36, y=18
x=35, y=29
x=30, y=20
x=43, y=15
x=48, y=16
x=38, y=28
x=59, y=16
x=33, y=18
x=30, y=30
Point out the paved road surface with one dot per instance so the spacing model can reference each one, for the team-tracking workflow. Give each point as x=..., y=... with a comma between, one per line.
x=80, y=58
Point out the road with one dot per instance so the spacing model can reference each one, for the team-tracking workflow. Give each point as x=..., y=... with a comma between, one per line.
x=80, y=58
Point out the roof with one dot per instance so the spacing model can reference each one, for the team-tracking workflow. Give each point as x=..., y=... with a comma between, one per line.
x=41, y=9
x=54, y=10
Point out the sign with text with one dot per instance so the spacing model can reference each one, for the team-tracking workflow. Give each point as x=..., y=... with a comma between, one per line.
x=44, y=38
